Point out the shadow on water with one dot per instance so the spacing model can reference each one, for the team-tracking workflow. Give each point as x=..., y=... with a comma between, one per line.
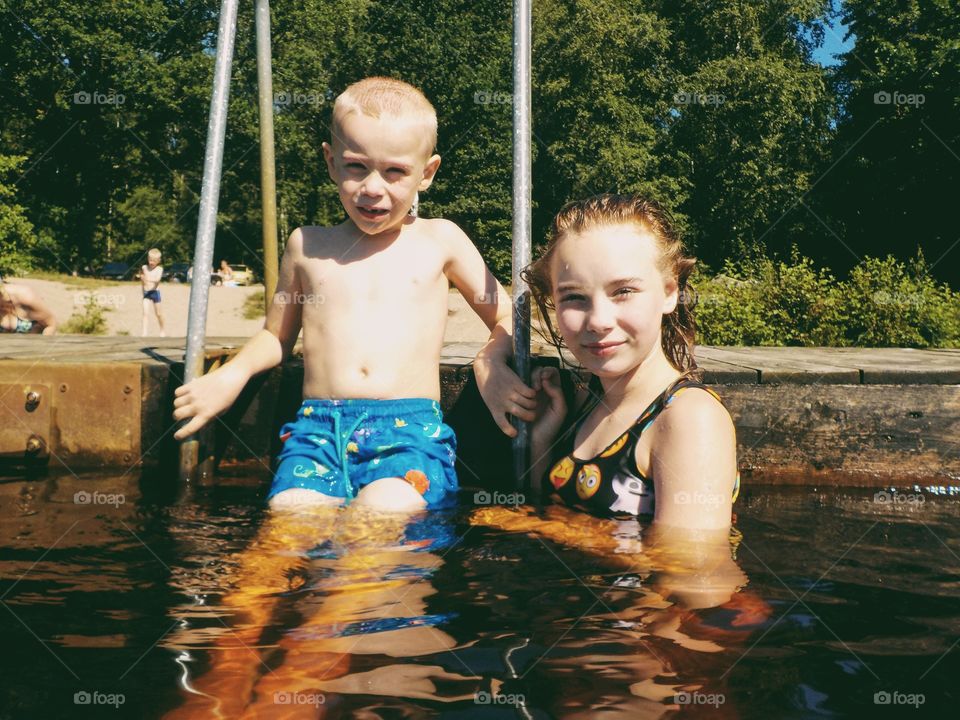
x=133, y=603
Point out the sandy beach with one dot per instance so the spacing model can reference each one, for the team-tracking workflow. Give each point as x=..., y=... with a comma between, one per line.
x=123, y=305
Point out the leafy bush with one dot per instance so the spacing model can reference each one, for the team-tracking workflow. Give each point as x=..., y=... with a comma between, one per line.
x=90, y=320
x=890, y=304
x=884, y=303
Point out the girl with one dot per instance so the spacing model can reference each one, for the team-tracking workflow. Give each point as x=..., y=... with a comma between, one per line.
x=646, y=436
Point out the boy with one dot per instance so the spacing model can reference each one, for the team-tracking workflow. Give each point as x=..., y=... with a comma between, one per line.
x=371, y=296
x=150, y=276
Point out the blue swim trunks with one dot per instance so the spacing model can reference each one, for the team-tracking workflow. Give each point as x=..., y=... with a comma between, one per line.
x=336, y=447
x=151, y=295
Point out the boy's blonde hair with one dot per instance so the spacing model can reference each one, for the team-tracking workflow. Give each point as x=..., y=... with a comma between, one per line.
x=379, y=96
x=154, y=254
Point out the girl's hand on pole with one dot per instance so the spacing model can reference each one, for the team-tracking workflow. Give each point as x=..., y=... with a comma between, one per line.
x=551, y=405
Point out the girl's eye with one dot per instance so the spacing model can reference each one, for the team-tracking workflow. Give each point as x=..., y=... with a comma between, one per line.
x=354, y=166
x=625, y=291
x=571, y=297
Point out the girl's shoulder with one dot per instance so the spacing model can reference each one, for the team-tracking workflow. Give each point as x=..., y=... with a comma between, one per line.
x=694, y=421
x=696, y=407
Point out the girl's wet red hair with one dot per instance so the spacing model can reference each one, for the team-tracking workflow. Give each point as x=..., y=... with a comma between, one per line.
x=679, y=328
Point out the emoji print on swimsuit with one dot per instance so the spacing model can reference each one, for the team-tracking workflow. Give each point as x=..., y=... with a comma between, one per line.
x=615, y=448
x=561, y=472
x=588, y=481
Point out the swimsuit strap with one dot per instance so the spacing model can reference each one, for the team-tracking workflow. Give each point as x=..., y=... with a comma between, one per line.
x=684, y=382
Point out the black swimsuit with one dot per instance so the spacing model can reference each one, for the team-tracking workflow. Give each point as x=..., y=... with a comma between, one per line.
x=610, y=482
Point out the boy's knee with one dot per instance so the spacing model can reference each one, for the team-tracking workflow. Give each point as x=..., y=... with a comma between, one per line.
x=300, y=498
x=392, y=495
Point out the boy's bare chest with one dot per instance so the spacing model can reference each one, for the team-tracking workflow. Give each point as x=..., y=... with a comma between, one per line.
x=387, y=277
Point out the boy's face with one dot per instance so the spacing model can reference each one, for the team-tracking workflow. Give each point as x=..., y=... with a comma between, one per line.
x=379, y=165
x=152, y=262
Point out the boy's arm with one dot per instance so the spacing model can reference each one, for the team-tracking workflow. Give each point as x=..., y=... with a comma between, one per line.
x=501, y=389
x=205, y=397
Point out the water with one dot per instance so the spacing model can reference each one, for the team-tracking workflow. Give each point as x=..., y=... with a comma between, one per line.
x=134, y=603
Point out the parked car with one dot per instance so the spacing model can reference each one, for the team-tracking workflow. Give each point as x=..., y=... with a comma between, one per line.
x=115, y=271
x=176, y=272
x=243, y=275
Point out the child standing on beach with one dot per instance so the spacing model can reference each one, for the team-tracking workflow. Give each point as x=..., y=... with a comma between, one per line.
x=150, y=276
x=371, y=296
x=647, y=438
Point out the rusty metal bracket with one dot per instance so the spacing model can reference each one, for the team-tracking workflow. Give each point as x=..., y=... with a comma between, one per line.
x=25, y=420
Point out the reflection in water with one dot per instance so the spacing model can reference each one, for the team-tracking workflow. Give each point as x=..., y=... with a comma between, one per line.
x=316, y=593
x=543, y=614
x=330, y=605
x=643, y=625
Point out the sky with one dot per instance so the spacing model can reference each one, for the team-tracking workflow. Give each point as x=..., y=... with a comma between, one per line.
x=833, y=44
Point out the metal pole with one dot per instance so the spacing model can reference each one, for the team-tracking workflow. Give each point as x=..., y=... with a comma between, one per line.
x=207, y=226
x=521, y=228
x=268, y=177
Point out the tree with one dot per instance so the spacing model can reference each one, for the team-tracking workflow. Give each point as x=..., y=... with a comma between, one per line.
x=896, y=159
x=17, y=239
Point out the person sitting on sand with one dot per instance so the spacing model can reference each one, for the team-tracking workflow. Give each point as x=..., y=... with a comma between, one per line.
x=23, y=311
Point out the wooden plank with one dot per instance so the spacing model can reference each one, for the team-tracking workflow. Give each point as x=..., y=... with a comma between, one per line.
x=897, y=366
x=721, y=365
x=865, y=433
x=786, y=366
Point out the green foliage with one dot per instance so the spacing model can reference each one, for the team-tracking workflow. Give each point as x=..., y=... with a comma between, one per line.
x=890, y=177
x=253, y=307
x=148, y=219
x=891, y=304
x=16, y=231
x=883, y=303
x=717, y=109
x=89, y=320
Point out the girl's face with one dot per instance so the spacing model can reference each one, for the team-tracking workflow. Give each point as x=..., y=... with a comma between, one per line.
x=610, y=296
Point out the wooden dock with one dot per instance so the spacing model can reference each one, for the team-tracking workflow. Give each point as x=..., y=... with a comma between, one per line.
x=848, y=416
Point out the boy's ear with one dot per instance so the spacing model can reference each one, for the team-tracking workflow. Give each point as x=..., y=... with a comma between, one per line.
x=328, y=156
x=429, y=170
x=672, y=293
